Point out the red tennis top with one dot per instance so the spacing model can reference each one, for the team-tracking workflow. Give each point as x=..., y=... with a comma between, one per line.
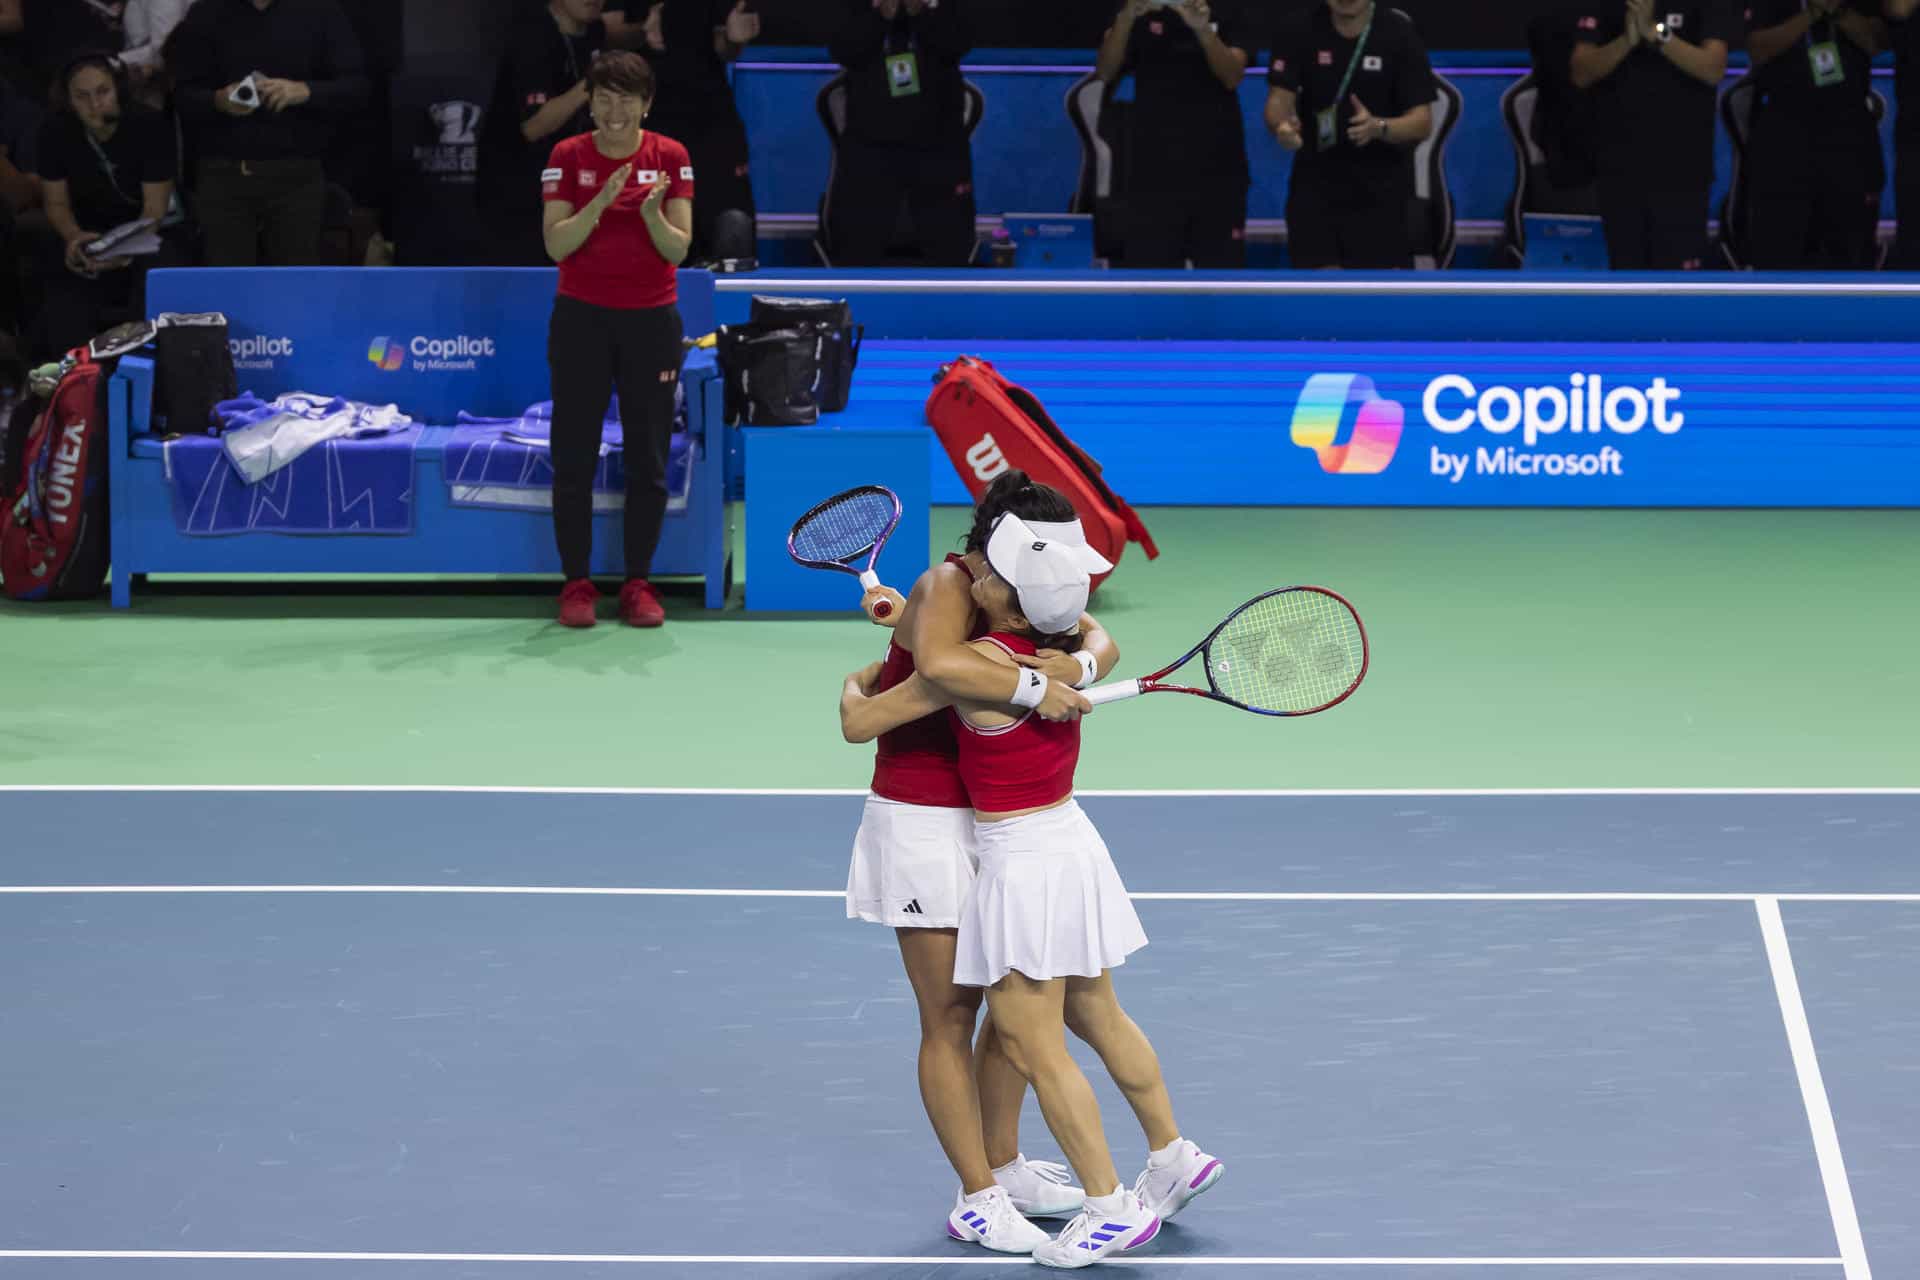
x=618, y=266
x=1024, y=765
x=919, y=763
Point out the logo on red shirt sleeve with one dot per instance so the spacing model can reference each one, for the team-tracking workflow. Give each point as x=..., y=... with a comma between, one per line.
x=550, y=181
x=1589, y=24
x=1326, y=58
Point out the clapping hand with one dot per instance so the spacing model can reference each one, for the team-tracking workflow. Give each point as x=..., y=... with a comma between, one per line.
x=1195, y=14
x=1287, y=133
x=655, y=194
x=742, y=27
x=616, y=183
x=888, y=9
x=1365, y=128
x=1640, y=20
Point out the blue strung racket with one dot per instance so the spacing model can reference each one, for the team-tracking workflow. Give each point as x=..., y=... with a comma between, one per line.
x=847, y=532
x=1289, y=652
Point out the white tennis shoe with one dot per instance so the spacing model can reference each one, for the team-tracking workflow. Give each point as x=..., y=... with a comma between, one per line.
x=1167, y=1189
x=1040, y=1188
x=992, y=1221
x=1094, y=1235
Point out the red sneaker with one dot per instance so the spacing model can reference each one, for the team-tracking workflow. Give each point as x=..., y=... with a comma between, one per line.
x=576, y=603
x=639, y=607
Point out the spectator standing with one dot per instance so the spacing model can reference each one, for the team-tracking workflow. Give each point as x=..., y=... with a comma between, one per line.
x=20, y=198
x=690, y=44
x=261, y=188
x=1186, y=158
x=1814, y=167
x=1904, y=33
x=618, y=220
x=103, y=161
x=1654, y=69
x=539, y=97
x=1350, y=94
x=906, y=134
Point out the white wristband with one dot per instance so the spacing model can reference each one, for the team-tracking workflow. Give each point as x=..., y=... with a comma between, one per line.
x=1031, y=689
x=1089, y=669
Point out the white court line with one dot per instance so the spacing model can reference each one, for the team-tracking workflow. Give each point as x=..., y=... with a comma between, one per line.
x=1813, y=1091
x=859, y=1260
x=649, y=891
x=1202, y=286
x=1303, y=793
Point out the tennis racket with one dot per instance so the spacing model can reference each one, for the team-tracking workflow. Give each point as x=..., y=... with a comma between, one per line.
x=847, y=533
x=1289, y=652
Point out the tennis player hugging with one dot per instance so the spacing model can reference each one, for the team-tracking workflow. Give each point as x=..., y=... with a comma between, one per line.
x=1042, y=916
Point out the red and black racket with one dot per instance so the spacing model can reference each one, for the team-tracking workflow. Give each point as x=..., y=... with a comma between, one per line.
x=847, y=532
x=1289, y=652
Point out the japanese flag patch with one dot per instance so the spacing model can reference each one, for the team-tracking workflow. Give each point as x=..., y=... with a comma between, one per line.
x=686, y=173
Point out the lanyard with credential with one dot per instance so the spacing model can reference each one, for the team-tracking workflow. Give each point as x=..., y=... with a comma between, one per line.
x=1823, y=56
x=1327, y=119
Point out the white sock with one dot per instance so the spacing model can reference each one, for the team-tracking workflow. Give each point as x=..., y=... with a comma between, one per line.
x=979, y=1196
x=1012, y=1164
x=1164, y=1156
x=1112, y=1203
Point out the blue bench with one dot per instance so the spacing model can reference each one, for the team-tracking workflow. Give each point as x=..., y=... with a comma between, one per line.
x=470, y=339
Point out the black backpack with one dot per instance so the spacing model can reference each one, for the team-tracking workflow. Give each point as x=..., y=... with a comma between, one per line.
x=770, y=375
x=831, y=320
x=192, y=372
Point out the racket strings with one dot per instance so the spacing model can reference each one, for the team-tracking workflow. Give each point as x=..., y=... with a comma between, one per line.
x=1293, y=651
x=843, y=528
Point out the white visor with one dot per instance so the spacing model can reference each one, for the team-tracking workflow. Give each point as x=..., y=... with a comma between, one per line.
x=1051, y=575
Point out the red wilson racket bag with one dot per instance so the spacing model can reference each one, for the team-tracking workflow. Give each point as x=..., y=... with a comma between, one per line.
x=53, y=525
x=989, y=424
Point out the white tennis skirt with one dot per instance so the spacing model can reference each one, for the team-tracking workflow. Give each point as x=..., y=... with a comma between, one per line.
x=1047, y=901
x=912, y=865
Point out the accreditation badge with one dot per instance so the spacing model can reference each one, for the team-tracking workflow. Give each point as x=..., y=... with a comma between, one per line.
x=903, y=74
x=1827, y=68
x=1326, y=124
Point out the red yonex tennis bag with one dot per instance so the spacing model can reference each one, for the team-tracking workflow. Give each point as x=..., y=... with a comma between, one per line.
x=53, y=525
x=989, y=424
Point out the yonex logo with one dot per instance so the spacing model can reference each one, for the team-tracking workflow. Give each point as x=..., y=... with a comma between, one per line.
x=1358, y=444
x=386, y=354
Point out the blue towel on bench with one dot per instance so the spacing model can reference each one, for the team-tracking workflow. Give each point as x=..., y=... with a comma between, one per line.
x=337, y=487
x=505, y=463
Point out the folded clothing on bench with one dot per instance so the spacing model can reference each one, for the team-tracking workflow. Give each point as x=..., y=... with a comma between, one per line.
x=262, y=437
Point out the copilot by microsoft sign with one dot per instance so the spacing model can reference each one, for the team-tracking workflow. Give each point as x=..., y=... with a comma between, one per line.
x=1489, y=431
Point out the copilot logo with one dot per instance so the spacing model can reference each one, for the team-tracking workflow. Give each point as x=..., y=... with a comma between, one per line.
x=1320, y=415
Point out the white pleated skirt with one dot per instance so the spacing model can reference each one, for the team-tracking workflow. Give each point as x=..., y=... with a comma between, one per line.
x=912, y=865
x=1047, y=901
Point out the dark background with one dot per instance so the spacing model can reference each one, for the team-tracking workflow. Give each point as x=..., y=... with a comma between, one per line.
x=1066, y=24
x=1043, y=24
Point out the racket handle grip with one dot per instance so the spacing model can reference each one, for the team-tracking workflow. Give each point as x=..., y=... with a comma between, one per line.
x=1114, y=692
x=869, y=579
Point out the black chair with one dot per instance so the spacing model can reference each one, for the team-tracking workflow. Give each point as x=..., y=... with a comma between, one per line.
x=1534, y=190
x=831, y=105
x=1101, y=122
x=1736, y=113
x=1434, y=230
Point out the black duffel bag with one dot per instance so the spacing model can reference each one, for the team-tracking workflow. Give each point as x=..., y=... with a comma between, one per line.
x=833, y=320
x=769, y=375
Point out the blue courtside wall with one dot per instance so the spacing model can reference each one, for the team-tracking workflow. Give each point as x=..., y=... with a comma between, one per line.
x=1027, y=156
x=314, y=329
x=1348, y=306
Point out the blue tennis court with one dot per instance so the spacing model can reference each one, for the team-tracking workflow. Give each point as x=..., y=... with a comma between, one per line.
x=440, y=1033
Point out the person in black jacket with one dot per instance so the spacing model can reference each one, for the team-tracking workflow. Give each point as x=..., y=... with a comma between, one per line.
x=1654, y=72
x=1903, y=30
x=1814, y=166
x=261, y=85
x=906, y=135
x=1186, y=197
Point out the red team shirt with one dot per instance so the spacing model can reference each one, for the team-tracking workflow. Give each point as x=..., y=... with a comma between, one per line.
x=1024, y=765
x=618, y=266
x=919, y=763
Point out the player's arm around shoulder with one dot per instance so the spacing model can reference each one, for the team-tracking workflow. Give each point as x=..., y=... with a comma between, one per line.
x=989, y=715
x=866, y=714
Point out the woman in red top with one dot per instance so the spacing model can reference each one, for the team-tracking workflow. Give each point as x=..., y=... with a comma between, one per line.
x=619, y=217
x=913, y=863
x=1046, y=919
